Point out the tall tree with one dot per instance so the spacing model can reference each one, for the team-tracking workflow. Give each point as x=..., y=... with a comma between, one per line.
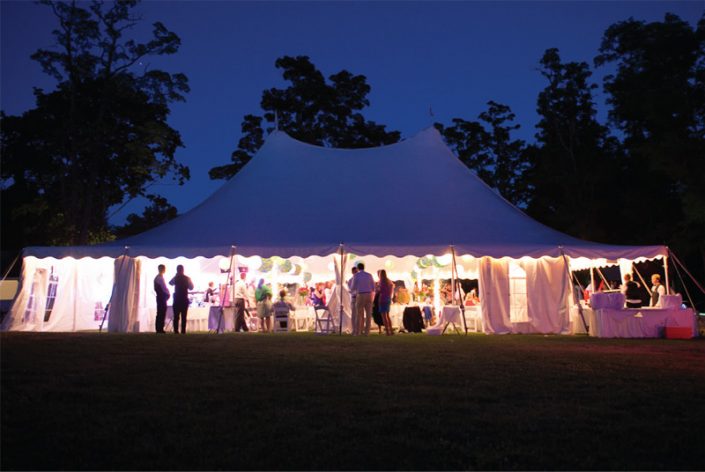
x=657, y=98
x=573, y=172
x=313, y=110
x=100, y=137
x=486, y=147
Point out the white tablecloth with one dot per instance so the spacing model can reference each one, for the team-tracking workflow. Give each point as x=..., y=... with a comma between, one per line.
x=632, y=322
x=601, y=300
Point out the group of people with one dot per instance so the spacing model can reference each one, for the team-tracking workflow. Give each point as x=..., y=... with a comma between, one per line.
x=632, y=292
x=363, y=290
x=182, y=284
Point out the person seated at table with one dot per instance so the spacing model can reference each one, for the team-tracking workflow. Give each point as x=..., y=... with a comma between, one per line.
x=630, y=289
x=402, y=296
x=471, y=298
x=209, y=297
x=317, y=297
x=657, y=291
x=282, y=308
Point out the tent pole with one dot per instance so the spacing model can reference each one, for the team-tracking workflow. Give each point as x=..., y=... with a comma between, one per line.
x=685, y=287
x=675, y=258
x=665, y=269
x=641, y=278
x=112, y=293
x=592, y=279
x=228, y=282
x=12, y=264
x=340, y=287
x=454, y=273
x=607, y=284
x=572, y=291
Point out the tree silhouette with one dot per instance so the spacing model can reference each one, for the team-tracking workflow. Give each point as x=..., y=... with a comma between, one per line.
x=312, y=110
x=100, y=137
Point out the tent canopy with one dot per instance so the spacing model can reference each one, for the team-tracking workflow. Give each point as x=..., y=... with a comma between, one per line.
x=410, y=198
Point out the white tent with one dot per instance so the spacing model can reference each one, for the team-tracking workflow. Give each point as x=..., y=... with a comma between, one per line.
x=413, y=198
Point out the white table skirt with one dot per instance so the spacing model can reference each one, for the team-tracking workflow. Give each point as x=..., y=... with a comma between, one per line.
x=631, y=322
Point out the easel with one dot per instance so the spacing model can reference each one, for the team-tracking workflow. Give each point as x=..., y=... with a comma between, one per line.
x=228, y=283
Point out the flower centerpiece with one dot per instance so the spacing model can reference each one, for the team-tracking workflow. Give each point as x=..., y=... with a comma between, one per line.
x=302, y=294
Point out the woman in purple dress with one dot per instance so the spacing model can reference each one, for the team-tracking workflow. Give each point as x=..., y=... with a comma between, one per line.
x=386, y=291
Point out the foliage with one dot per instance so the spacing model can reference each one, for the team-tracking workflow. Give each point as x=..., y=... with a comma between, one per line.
x=312, y=110
x=486, y=147
x=158, y=212
x=657, y=99
x=573, y=169
x=101, y=136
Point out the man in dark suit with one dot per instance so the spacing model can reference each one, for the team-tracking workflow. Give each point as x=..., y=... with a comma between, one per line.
x=182, y=284
x=162, y=296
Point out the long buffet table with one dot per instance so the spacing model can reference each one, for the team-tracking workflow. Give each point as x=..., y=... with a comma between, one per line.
x=631, y=322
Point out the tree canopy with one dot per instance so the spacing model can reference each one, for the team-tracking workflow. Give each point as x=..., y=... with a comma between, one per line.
x=311, y=109
x=100, y=137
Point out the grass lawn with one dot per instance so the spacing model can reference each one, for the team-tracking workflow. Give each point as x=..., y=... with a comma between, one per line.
x=299, y=401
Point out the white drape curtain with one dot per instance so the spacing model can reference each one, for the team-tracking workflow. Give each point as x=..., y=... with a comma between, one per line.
x=548, y=289
x=494, y=295
x=334, y=302
x=124, y=308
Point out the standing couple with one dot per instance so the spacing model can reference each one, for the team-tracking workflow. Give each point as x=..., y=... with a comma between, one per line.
x=362, y=291
x=182, y=284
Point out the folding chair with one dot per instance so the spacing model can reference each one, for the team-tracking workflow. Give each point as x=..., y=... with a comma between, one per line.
x=281, y=319
x=325, y=324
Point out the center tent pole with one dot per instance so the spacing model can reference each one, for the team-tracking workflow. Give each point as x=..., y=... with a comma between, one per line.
x=342, y=281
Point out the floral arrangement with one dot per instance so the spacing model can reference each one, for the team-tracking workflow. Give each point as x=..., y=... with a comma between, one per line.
x=302, y=292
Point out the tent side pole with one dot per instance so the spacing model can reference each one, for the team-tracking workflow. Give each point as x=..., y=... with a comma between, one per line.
x=454, y=274
x=342, y=281
x=665, y=269
x=592, y=279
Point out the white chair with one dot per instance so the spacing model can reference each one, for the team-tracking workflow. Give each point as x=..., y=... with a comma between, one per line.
x=325, y=324
x=281, y=319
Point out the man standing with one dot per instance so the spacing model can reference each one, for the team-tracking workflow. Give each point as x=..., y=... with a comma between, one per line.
x=657, y=291
x=162, y=296
x=353, y=309
x=363, y=285
x=240, y=295
x=630, y=289
x=182, y=284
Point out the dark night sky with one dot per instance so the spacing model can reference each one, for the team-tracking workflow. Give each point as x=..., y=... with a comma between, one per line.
x=452, y=56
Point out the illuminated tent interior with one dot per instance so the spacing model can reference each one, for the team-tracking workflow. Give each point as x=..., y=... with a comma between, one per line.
x=296, y=211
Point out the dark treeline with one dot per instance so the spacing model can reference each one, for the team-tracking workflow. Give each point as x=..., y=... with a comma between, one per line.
x=102, y=137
